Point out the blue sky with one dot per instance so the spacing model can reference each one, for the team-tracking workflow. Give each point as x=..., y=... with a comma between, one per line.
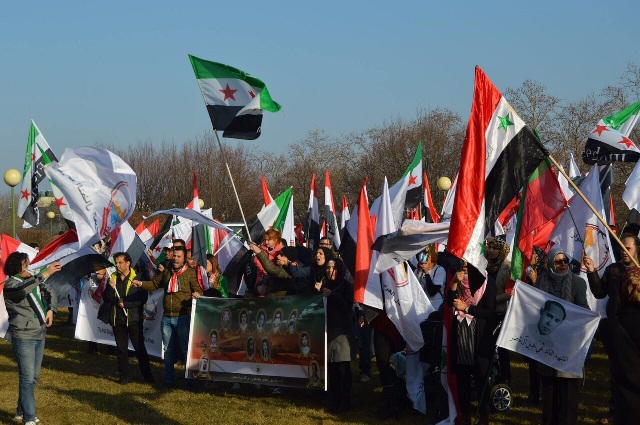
x=117, y=72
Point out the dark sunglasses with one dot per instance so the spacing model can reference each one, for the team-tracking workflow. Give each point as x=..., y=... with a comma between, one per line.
x=563, y=261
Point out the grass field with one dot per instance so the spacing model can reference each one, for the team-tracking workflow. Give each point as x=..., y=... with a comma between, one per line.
x=79, y=388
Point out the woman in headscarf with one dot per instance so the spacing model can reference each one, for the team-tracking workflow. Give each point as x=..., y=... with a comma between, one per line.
x=318, y=273
x=339, y=294
x=560, y=389
x=473, y=296
x=499, y=268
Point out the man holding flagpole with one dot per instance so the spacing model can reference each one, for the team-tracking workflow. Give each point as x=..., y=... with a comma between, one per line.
x=180, y=285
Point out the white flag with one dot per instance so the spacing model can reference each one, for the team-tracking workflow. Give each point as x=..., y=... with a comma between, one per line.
x=100, y=189
x=547, y=329
x=580, y=230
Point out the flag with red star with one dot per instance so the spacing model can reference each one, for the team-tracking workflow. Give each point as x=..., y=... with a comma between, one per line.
x=406, y=192
x=609, y=141
x=235, y=100
x=38, y=151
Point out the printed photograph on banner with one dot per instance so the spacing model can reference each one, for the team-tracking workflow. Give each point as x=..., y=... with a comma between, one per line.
x=548, y=329
x=273, y=341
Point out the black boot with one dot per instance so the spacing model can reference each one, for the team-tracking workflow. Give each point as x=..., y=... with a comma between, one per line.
x=390, y=399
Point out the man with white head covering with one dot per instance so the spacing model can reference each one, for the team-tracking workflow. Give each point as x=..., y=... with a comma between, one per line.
x=560, y=389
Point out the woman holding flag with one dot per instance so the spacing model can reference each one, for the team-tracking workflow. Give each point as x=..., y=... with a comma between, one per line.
x=31, y=304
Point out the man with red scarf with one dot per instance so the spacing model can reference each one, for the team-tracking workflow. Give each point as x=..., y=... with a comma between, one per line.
x=180, y=285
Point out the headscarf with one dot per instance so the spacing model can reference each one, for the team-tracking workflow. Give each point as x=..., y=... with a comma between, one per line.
x=321, y=271
x=502, y=246
x=552, y=278
x=470, y=299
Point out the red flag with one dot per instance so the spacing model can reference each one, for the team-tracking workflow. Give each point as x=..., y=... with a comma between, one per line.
x=266, y=196
x=9, y=245
x=499, y=153
x=364, y=242
x=195, y=202
x=140, y=227
x=428, y=202
x=154, y=228
x=299, y=235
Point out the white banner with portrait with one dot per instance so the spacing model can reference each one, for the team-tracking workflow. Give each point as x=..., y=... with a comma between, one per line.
x=89, y=328
x=547, y=329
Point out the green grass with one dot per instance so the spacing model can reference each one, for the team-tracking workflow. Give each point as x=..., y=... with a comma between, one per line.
x=78, y=388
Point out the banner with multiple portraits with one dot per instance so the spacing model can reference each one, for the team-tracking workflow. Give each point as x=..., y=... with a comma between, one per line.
x=90, y=328
x=271, y=341
x=548, y=329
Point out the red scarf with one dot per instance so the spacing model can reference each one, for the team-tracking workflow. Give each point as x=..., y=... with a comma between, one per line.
x=174, y=283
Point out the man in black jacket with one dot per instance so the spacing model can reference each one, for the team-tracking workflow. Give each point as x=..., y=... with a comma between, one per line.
x=126, y=317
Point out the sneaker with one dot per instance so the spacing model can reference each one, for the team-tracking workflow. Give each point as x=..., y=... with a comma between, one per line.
x=364, y=378
x=18, y=417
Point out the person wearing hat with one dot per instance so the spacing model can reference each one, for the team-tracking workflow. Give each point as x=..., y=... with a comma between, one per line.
x=284, y=275
x=560, y=389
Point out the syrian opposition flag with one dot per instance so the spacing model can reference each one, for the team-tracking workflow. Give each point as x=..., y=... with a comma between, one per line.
x=499, y=154
x=266, y=196
x=273, y=215
x=610, y=142
x=406, y=192
x=542, y=201
x=33, y=175
x=312, y=223
x=344, y=216
x=330, y=213
x=100, y=189
x=235, y=100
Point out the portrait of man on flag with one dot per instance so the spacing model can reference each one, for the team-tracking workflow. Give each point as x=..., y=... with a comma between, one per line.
x=547, y=329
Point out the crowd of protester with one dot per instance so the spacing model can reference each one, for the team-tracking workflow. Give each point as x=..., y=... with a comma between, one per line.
x=478, y=301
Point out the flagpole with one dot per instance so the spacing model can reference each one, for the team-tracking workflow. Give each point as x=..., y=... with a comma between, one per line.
x=224, y=157
x=227, y=242
x=591, y=207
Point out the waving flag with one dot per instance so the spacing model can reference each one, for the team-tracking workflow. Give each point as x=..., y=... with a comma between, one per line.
x=235, y=100
x=498, y=155
x=330, y=212
x=37, y=150
x=266, y=196
x=100, y=189
x=273, y=215
x=431, y=215
x=610, y=142
x=542, y=202
x=344, y=216
x=312, y=223
x=406, y=192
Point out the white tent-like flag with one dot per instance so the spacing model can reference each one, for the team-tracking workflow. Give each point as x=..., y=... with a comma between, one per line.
x=579, y=230
x=100, y=189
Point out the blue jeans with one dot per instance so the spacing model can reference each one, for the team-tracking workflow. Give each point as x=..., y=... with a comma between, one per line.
x=28, y=354
x=175, y=331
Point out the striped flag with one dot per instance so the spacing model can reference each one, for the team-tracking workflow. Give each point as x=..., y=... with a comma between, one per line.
x=330, y=216
x=273, y=215
x=312, y=223
x=499, y=153
x=38, y=151
x=235, y=100
x=609, y=141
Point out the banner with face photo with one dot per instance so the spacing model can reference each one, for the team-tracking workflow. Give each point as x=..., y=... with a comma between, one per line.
x=89, y=328
x=547, y=329
x=272, y=341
